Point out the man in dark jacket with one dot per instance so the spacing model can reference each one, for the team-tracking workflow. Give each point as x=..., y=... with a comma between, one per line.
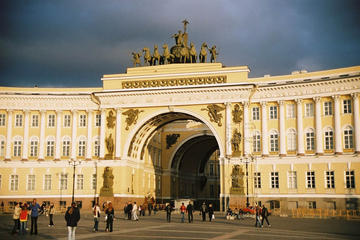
x=189, y=209
x=168, y=210
x=34, y=208
x=72, y=217
x=265, y=214
x=203, y=211
x=129, y=210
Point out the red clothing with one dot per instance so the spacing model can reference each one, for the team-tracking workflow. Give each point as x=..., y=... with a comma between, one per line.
x=182, y=208
x=23, y=215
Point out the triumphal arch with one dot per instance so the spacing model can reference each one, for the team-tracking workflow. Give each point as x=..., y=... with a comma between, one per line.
x=181, y=126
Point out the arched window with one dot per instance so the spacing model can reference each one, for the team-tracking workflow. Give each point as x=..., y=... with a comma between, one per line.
x=50, y=146
x=256, y=141
x=291, y=139
x=348, y=138
x=310, y=139
x=274, y=141
x=82, y=143
x=66, y=146
x=329, y=138
x=34, y=142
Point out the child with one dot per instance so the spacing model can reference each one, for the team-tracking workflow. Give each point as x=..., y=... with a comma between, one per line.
x=23, y=219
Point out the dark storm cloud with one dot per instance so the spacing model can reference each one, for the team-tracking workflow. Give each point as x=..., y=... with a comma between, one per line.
x=73, y=43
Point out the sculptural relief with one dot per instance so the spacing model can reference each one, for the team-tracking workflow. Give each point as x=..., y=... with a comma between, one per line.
x=171, y=140
x=132, y=117
x=109, y=146
x=237, y=114
x=214, y=113
x=107, y=188
x=235, y=142
x=110, y=119
x=237, y=181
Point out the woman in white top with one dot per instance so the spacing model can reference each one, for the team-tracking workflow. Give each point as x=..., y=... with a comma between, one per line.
x=96, y=213
x=134, y=212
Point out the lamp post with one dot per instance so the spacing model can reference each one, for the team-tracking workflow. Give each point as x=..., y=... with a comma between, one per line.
x=74, y=163
x=247, y=160
x=95, y=183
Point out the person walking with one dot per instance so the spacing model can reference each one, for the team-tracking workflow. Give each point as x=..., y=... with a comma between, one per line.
x=211, y=212
x=150, y=208
x=110, y=217
x=129, y=210
x=16, y=216
x=168, y=210
x=203, y=211
x=96, y=214
x=34, y=208
x=257, y=216
x=182, y=212
x=51, y=214
x=23, y=219
x=72, y=217
x=134, y=212
x=189, y=210
x=264, y=215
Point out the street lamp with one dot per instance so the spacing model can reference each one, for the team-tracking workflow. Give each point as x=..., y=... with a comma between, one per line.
x=95, y=183
x=247, y=160
x=74, y=163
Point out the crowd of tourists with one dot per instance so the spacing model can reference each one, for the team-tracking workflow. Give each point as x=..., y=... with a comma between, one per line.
x=23, y=212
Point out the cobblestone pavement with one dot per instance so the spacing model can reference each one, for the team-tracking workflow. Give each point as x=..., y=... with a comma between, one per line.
x=156, y=227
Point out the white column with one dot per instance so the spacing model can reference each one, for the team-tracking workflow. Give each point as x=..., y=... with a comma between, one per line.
x=42, y=134
x=338, y=142
x=264, y=130
x=118, y=134
x=8, y=135
x=300, y=130
x=58, y=135
x=318, y=125
x=89, y=135
x=247, y=137
x=356, y=121
x=282, y=128
x=228, y=129
x=102, y=134
x=26, y=136
x=74, y=133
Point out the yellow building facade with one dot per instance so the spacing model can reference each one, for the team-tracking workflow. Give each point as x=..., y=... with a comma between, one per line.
x=197, y=131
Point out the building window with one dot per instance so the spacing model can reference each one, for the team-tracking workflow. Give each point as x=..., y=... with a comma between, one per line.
x=291, y=140
x=273, y=112
x=257, y=180
x=14, y=182
x=31, y=183
x=67, y=120
x=348, y=138
x=328, y=110
x=63, y=181
x=274, y=142
x=97, y=148
x=51, y=120
x=47, y=182
x=66, y=148
x=94, y=182
x=310, y=179
x=50, y=145
x=256, y=142
x=347, y=106
x=35, y=121
x=2, y=119
x=17, y=148
x=80, y=182
x=211, y=169
x=309, y=110
x=212, y=194
x=290, y=110
x=97, y=120
x=255, y=113
x=312, y=204
x=274, y=179
x=330, y=179
x=2, y=148
x=33, y=148
x=81, y=148
x=292, y=180
x=18, y=120
x=350, y=179
x=82, y=120
x=310, y=140
x=329, y=139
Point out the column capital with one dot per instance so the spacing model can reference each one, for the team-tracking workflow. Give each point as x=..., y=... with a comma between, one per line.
x=227, y=104
x=89, y=110
x=336, y=97
x=317, y=99
x=246, y=104
x=355, y=95
x=103, y=110
x=73, y=111
x=118, y=109
x=281, y=102
x=298, y=101
x=58, y=111
x=42, y=111
x=263, y=104
x=26, y=111
x=9, y=110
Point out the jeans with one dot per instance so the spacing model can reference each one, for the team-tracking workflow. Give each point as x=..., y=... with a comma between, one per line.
x=182, y=217
x=109, y=224
x=16, y=225
x=258, y=221
x=22, y=227
x=267, y=221
x=71, y=231
x=96, y=224
x=51, y=220
x=190, y=216
x=34, y=225
x=168, y=217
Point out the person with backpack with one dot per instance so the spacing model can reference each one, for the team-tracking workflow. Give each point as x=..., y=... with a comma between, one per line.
x=264, y=215
x=96, y=214
x=72, y=217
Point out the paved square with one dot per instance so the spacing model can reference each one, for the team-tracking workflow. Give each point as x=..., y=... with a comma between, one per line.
x=156, y=227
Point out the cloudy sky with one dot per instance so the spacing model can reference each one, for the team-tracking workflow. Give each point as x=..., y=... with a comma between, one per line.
x=73, y=43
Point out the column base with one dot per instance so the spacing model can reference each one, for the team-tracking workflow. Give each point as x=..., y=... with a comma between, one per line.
x=338, y=153
x=7, y=160
x=265, y=155
x=102, y=158
x=56, y=159
x=282, y=155
x=357, y=152
x=88, y=159
x=320, y=154
x=117, y=158
x=41, y=160
x=24, y=160
x=301, y=154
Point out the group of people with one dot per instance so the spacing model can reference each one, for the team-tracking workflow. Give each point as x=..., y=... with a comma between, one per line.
x=263, y=213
